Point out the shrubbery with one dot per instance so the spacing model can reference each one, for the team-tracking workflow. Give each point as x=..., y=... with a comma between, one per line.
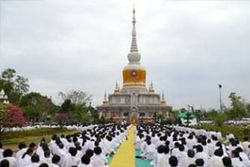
x=238, y=131
x=33, y=132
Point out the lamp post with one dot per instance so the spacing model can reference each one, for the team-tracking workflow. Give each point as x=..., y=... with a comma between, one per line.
x=220, y=86
x=188, y=115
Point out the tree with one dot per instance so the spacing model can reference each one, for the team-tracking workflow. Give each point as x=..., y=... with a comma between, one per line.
x=37, y=107
x=62, y=118
x=8, y=74
x=75, y=96
x=211, y=114
x=14, y=117
x=3, y=112
x=80, y=114
x=67, y=106
x=248, y=109
x=220, y=119
x=15, y=86
x=95, y=115
x=238, y=109
x=21, y=84
x=217, y=117
x=31, y=114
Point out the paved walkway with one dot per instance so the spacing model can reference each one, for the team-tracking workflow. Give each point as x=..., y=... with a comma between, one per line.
x=125, y=156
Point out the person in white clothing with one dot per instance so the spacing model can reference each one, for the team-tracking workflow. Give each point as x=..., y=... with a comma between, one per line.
x=243, y=156
x=200, y=154
x=8, y=155
x=236, y=159
x=1, y=150
x=98, y=159
x=55, y=161
x=245, y=143
x=22, y=150
x=47, y=157
x=85, y=161
x=200, y=162
x=4, y=163
x=25, y=160
x=216, y=159
x=44, y=165
x=70, y=159
x=227, y=162
x=162, y=156
x=172, y=161
x=189, y=159
x=34, y=161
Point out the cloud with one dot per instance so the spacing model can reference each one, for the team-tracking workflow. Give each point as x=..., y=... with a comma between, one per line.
x=187, y=47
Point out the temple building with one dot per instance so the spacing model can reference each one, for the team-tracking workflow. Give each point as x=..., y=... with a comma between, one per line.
x=134, y=102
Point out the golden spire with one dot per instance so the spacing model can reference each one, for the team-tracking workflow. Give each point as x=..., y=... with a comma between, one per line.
x=151, y=87
x=105, y=101
x=117, y=89
x=163, y=101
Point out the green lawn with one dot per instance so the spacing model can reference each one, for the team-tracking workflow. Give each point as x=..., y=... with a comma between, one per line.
x=12, y=139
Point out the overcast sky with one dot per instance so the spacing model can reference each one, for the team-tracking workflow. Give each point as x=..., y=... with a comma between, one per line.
x=188, y=46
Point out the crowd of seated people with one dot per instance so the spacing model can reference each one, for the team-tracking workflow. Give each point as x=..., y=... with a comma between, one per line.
x=91, y=148
x=177, y=146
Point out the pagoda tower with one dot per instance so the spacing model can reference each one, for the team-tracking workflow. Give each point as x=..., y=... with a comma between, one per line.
x=134, y=102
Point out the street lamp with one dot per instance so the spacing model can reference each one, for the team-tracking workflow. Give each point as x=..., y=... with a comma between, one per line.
x=188, y=114
x=220, y=86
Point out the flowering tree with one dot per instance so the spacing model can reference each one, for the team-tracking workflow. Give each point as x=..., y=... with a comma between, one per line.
x=62, y=118
x=14, y=117
x=10, y=116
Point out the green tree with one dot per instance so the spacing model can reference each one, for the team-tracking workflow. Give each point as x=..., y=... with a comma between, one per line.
x=31, y=114
x=238, y=109
x=67, y=106
x=220, y=119
x=80, y=114
x=248, y=109
x=95, y=117
x=211, y=115
x=8, y=74
x=15, y=86
x=217, y=117
x=3, y=112
x=37, y=107
x=21, y=84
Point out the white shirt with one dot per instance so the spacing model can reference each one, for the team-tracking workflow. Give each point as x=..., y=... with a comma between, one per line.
x=1, y=153
x=237, y=163
x=34, y=165
x=83, y=165
x=162, y=160
x=202, y=155
x=186, y=161
x=12, y=161
x=215, y=161
x=98, y=160
x=20, y=153
x=26, y=161
x=70, y=161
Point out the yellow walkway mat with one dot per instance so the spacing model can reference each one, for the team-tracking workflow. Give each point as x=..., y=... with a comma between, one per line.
x=125, y=156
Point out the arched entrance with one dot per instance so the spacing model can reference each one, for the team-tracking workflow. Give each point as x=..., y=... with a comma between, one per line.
x=133, y=116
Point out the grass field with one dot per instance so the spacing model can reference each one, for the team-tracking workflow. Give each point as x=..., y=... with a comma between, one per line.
x=12, y=139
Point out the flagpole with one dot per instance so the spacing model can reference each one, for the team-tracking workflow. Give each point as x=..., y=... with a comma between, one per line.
x=220, y=86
